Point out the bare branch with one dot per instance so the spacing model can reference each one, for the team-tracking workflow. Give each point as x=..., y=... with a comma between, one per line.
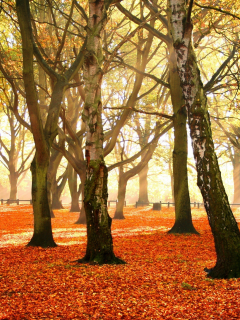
x=217, y=9
x=163, y=115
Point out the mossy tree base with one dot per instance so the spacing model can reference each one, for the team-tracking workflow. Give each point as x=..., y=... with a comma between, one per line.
x=99, y=238
x=42, y=236
x=102, y=259
x=182, y=227
x=38, y=241
x=225, y=271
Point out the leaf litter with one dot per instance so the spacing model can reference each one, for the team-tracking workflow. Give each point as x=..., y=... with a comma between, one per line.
x=163, y=277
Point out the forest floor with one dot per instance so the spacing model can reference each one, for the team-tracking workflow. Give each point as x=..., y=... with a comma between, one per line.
x=163, y=277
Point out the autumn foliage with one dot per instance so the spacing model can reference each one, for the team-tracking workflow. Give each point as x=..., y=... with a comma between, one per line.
x=164, y=276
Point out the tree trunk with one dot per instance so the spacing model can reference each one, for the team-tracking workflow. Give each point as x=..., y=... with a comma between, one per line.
x=125, y=176
x=222, y=222
x=13, y=156
x=236, y=175
x=42, y=218
x=99, y=238
x=42, y=235
x=183, y=218
x=56, y=202
x=143, y=186
x=54, y=162
x=13, y=179
x=56, y=194
x=122, y=185
x=170, y=166
x=43, y=135
x=73, y=187
x=82, y=217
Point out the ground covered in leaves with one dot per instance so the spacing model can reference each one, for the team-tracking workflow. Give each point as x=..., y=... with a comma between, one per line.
x=163, y=277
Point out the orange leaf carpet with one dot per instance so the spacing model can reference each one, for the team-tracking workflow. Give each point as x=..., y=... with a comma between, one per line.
x=163, y=277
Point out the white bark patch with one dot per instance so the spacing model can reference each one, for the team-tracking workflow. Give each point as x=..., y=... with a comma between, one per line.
x=177, y=10
x=207, y=205
x=199, y=147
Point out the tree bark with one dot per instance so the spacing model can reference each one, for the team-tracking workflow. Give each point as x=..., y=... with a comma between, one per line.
x=99, y=239
x=42, y=235
x=183, y=218
x=54, y=162
x=143, y=185
x=13, y=178
x=43, y=135
x=57, y=191
x=182, y=209
x=73, y=187
x=222, y=222
x=236, y=175
x=122, y=186
x=82, y=217
x=56, y=202
x=13, y=157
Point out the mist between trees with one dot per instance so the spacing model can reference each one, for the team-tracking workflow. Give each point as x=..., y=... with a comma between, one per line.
x=97, y=99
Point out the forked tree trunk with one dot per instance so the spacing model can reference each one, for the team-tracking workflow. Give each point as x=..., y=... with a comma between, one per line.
x=222, y=222
x=99, y=239
x=42, y=218
x=122, y=185
x=43, y=135
x=42, y=235
x=183, y=218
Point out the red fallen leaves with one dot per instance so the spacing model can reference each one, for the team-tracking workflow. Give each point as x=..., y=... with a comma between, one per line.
x=163, y=277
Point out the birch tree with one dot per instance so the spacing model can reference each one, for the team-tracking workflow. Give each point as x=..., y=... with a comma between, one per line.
x=99, y=239
x=222, y=222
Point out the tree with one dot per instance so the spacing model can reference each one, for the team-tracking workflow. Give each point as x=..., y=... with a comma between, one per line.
x=231, y=131
x=43, y=135
x=55, y=189
x=148, y=151
x=14, y=150
x=143, y=135
x=183, y=218
x=222, y=222
x=99, y=239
